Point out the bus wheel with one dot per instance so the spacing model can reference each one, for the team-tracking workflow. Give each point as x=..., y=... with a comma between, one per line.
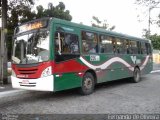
x=136, y=75
x=88, y=84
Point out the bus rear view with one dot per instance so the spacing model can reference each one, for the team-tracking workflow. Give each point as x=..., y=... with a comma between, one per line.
x=31, y=66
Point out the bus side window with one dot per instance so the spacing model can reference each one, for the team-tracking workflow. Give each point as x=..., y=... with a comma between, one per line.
x=105, y=44
x=114, y=44
x=148, y=48
x=143, y=48
x=69, y=46
x=127, y=46
x=134, y=47
x=119, y=45
x=102, y=44
x=89, y=42
x=139, y=47
x=130, y=47
x=69, y=43
x=124, y=46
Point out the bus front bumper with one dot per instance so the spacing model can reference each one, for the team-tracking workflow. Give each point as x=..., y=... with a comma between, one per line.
x=39, y=84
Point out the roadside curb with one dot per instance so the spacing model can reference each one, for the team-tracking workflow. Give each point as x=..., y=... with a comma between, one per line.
x=155, y=71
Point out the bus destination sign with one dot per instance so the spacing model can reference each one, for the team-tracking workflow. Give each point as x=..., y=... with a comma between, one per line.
x=31, y=26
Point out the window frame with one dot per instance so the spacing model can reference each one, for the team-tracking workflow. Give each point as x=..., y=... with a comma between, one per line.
x=88, y=42
x=61, y=57
x=143, y=50
x=109, y=39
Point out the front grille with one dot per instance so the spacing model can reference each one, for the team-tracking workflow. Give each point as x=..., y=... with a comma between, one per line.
x=28, y=71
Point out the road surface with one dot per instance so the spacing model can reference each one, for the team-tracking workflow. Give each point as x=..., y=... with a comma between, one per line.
x=115, y=97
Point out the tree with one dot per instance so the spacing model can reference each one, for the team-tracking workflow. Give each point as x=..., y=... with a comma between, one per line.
x=54, y=11
x=18, y=11
x=155, y=41
x=102, y=24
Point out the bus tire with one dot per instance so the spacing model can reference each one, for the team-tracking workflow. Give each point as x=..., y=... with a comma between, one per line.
x=88, y=84
x=136, y=75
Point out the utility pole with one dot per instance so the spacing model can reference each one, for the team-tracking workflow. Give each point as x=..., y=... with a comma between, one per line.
x=149, y=21
x=3, y=48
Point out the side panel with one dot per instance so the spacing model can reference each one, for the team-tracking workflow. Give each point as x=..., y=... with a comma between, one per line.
x=109, y=67
x=114, y=66
x=67, y=81
x=119, y=66
x=67, y=73
x=147, y=64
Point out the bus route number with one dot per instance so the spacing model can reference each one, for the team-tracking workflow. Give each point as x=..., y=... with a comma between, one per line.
x=94, y=58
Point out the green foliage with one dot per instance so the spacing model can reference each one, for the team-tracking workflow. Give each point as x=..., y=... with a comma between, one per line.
x=54, y=11
x=155, y=41
x=102, y=24
x=154, y=38
x=18, y=11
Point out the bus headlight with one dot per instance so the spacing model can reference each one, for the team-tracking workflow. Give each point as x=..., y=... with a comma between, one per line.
x=47, y=72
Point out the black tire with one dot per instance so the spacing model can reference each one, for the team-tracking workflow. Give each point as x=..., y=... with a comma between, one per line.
x=136, y=75
x=88, y=84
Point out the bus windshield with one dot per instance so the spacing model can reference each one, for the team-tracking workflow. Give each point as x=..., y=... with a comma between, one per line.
x=31, y=48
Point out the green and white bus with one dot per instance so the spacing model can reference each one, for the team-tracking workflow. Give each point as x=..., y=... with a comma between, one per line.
x=51, y=54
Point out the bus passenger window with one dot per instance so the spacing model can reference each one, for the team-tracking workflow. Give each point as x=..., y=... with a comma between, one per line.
x=143, y=48
x=127, y=46
x=139, y=47
x=69, y=45
x=123, y=46
x=130, y=47
x=89, y=42
x=105, y=44
x=114, y=44
x=148, y=48
x=119, y=46
x=134, y=47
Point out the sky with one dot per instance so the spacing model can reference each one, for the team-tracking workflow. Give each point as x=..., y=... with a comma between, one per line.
x=121, y=13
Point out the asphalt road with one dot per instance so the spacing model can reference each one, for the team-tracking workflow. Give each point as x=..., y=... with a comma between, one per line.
x=117, y=97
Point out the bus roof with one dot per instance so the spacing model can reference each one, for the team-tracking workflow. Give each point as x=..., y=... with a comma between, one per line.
x=90, y=28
